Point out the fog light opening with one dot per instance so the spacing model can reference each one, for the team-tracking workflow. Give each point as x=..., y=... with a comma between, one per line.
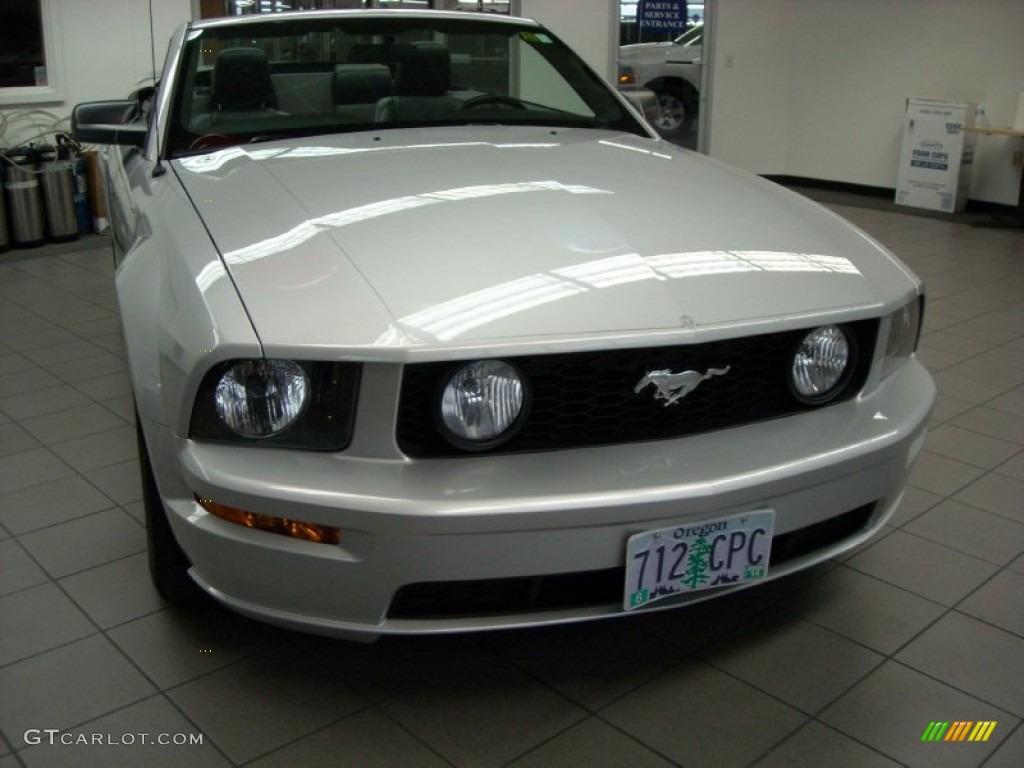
x=283, y=526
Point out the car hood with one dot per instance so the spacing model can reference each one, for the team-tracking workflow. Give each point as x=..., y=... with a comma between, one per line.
x=431, y=241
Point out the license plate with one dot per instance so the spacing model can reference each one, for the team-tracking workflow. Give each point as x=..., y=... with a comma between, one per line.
x=696, y=556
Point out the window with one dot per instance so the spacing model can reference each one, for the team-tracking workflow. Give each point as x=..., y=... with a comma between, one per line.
x=30, y=67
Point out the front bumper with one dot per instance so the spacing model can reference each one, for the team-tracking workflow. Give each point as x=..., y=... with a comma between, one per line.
x=478, y=519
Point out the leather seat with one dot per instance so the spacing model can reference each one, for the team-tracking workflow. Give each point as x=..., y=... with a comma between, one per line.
x=422, y=81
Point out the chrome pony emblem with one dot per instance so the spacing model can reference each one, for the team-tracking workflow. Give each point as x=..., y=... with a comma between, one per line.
x=672, y=387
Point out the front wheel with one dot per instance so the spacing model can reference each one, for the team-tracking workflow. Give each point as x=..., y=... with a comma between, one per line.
x=168, y=563
x=673, y=115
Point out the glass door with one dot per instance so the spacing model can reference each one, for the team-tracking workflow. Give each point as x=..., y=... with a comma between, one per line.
x=662, y=62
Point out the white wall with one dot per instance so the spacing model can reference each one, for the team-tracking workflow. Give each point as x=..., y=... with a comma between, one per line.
x=106, y=51
x=817, y=88
x=589, y=27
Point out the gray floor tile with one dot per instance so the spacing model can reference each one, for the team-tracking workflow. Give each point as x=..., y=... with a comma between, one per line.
x=72, y=423
x=100, y=450
x=975, y=657
x=915, y=502
x=121, y=482
x=890, y=710
x=17, y=570
x=68, y=352
x=994, y=423
x=864, y=609
x=254, y=707
x=50, y=503
x=123, y=406
x=1000, y=602
x=136, y=732
x=971, y=530
x=30, y=468
x=948, y=342
x=68, y=686
x=973, y=329
x=565, y=658
x=113, y=343
x=940, y=475
x=962, y=388
x=24, y=382
x=37, y=403
x=91, y=368
x=762, y=656
x=36, y=620
x=947, y=408
x=106, y=387
x=485, y=714
x=73, y=319
x=923, y=567
x=1011, y=402
x=35, y=333
x=85, y=542
x=1013, y=468
x=1010, y=753
x=695, y=714
x=175, y=646
x=12, y=362
x=134, y=508
x=14, y=439
x=936, y=359
x=115, y=593
x=970, y=447
x=592, y=742
x=996, y=493
x=366, y=739
x=94, y=328
x=816, y=745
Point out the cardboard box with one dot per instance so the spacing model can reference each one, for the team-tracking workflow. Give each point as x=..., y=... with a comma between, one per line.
x=937, y=155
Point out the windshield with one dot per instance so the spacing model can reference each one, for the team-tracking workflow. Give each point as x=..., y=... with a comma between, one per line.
x=301, y=76
x=692, y=36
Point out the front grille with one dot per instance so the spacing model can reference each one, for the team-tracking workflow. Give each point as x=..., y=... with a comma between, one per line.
x=587, y=398
x=562, y=591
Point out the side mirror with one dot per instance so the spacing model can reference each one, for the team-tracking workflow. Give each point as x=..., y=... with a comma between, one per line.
x=108, y=122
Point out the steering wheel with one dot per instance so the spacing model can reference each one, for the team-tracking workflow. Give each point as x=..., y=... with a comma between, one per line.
x=212, y=141
x=492, y=98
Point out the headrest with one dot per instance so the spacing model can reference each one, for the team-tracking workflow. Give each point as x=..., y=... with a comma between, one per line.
x=361, y=83
x=426, y=71
x=241, y=80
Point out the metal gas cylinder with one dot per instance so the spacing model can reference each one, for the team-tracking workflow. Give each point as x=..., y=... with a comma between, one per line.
x=57, y=177
x=24, y=198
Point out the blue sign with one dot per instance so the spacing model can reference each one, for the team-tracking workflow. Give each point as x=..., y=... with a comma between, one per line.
x=662, y=15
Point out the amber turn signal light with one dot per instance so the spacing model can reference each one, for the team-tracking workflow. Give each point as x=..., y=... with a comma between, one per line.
x=296, y=529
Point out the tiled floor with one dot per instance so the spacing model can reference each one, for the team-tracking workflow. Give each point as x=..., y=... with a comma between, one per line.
x=842, y=666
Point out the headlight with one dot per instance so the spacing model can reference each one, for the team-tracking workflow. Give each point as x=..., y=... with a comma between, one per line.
x=904, y=330
x=277, y=403
x=259, y=398
x=481, y=403
x=821, y=364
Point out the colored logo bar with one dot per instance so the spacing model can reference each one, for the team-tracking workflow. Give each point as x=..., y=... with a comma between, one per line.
x=959, y=730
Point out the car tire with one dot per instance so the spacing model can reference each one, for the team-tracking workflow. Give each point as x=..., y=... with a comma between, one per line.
x=676, y=113
x=168, y=563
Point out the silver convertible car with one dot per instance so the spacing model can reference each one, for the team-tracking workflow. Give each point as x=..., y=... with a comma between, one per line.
x=429, y=332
